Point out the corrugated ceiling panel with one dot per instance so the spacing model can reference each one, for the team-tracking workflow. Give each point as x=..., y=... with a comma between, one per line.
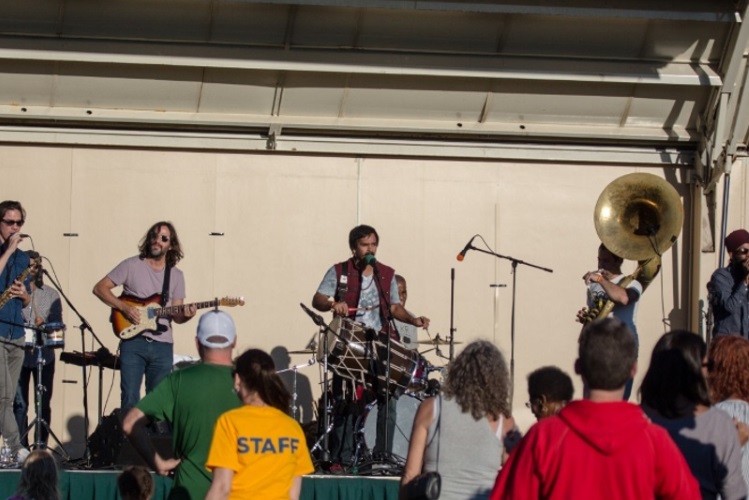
x=415, y=99
x=27, y=83
x=238, y=92
x=313, y=95
x=430, y=31
x=247, y=23
x=138, y=19
x=129, y=87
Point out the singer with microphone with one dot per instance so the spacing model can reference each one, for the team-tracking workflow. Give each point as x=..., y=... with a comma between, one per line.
x=349, y=290
x=13, y=263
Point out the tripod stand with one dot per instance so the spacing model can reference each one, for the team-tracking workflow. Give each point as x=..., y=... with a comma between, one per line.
x=39, y=422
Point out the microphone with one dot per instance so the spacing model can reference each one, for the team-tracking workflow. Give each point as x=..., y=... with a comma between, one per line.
x=25, y=236
x=462, y=254
x=370, y=260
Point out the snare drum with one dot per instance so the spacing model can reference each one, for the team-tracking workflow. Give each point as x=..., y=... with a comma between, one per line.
x=54, y=335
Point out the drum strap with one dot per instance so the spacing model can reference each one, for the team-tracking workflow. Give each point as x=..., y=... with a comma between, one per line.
x=343, y=282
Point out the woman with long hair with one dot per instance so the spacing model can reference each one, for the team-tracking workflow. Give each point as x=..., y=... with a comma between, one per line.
x=462, y=433
x=38, y=478
x=728, y=379
x=258, y=451
x=674, y=394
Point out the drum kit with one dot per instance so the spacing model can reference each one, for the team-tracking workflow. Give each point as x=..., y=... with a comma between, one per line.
x=358, y=354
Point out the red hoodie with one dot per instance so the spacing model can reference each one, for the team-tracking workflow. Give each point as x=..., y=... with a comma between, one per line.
x=596, y=450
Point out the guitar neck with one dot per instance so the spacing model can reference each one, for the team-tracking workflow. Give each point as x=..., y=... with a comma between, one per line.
x=168, y=311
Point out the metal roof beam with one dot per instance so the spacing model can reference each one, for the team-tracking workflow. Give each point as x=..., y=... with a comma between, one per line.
x=355, y=62
x=40, y=115
x=694, y=10
x=289, y=144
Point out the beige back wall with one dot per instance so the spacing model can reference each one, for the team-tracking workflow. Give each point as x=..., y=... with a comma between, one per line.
x=285, y=220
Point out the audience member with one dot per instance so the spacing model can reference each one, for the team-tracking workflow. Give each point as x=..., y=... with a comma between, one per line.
x=728, y=380
x=38, y=478
x=258, y=451
x=462, y=435
x=601, y=446
x=191, y=400
x=549, y=390
x=728, y=288
x=136, y=483
x=674, y=395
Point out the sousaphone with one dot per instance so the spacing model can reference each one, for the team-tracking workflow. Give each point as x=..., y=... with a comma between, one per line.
x=638, y=217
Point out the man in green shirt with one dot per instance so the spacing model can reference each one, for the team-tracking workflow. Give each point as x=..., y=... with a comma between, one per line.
x=191, y=400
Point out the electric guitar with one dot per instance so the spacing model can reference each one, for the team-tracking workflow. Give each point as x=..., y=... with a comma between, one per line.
x=151, y=310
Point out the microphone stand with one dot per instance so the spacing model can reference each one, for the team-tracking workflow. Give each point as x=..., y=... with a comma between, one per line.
x=85, y=325
x=391, y=324
x=324, y=331
x=39, y=422
x=452, y=310
x=514, y=263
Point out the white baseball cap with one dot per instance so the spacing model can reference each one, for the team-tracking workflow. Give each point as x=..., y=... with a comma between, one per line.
x=216, y=324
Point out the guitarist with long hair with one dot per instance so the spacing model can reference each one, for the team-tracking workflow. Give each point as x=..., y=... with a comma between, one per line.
x=142, y=279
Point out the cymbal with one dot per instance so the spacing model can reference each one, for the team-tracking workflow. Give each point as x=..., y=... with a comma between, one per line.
x=303, y=351
x=437, y=341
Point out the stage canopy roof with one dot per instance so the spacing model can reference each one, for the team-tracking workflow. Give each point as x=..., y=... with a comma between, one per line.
x=632, y=82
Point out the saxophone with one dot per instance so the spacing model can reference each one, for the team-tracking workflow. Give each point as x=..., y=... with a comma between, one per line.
x=5, y=297
x=637, y=217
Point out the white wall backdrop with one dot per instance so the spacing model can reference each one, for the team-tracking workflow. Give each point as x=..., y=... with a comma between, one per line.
x=285, y=219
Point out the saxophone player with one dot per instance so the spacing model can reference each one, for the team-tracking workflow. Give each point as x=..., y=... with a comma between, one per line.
x=605, y=284
x=13, y=263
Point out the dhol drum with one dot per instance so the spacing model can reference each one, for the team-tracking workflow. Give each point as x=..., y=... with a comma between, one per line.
x=54, y=335
x=405, y=408
x=359, y=353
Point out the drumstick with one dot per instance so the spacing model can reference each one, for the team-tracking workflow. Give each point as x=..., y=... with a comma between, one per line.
x=355, y=309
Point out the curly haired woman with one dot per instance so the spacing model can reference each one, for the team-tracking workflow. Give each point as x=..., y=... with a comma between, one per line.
x=728, y=378
x=471, y=424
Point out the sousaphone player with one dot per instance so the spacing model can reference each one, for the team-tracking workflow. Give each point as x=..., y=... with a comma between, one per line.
x=638, y=216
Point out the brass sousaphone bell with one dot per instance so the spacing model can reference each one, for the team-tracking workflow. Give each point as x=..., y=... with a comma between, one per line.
x=638, y=217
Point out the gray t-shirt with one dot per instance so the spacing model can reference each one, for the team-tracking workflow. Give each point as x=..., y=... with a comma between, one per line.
x=140, y=280
x=469, y=452
x=369, y=303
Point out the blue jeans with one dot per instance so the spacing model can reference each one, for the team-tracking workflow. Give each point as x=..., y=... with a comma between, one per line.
x=138, y=357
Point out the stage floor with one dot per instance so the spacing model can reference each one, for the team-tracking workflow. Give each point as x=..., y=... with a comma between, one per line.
x=102, y=485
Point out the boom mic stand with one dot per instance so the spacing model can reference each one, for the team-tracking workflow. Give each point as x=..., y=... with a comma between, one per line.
x=391, y=323
x=514, y=263
x=83, y=327
x=324, y=331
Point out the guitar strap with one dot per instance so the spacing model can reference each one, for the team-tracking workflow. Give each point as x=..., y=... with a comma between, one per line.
x=165, y=289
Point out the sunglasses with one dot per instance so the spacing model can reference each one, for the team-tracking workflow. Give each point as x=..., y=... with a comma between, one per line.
x=162, y=237
x=740, y=251
x=18, y=223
